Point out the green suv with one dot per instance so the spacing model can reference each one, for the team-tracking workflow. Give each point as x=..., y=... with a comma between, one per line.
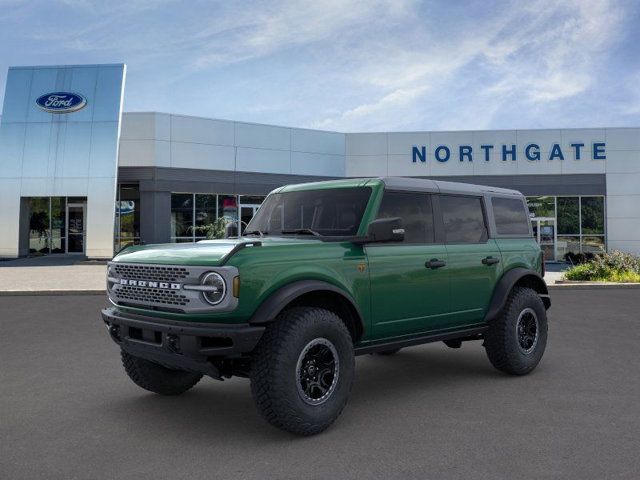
x=324, y=272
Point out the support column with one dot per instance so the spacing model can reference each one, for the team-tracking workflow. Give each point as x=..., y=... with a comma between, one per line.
x=155, y=216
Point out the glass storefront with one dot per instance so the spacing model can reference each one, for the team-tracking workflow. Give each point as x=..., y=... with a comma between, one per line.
x=57, y=225
x=568, y=224
x=189, y=211
x=127, y=219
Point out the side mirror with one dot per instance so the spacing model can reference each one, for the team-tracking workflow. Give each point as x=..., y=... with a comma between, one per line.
x=385, y=230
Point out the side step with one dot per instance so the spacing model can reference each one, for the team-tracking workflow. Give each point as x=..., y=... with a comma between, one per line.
x=474, y=333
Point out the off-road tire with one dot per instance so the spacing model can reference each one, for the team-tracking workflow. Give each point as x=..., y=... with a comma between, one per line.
x=274, y=374
x=502, y=343
x=156, y=378
x=391, y=351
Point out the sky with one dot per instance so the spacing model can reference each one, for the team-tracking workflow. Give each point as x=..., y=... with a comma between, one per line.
x=351, y=65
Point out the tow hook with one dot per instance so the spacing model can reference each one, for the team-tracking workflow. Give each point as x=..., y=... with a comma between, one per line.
x=173, y=343
x=114, y=331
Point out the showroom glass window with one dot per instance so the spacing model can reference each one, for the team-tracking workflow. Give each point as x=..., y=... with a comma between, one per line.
x=127, y=230
x=191, y=213
x=580, y=221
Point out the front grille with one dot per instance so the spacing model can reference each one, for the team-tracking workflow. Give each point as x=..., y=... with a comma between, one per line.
x=150, y=295
x=156, y=273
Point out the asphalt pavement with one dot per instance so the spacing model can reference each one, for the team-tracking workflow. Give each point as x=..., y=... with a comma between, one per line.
x=68, y=411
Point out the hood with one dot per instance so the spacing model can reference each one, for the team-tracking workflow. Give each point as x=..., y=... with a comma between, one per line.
x=205, y=252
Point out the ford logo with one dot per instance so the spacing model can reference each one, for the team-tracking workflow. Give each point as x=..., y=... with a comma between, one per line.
x=61, y=102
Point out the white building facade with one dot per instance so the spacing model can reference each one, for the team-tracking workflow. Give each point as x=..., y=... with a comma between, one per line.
x=176, y=173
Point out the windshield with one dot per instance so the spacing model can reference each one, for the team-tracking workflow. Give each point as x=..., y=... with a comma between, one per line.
x=328, y=212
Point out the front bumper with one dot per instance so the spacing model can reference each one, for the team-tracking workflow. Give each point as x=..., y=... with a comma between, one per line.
x=180, y=345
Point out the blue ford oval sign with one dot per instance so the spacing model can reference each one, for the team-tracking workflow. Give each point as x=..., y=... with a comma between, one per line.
x=61, y=102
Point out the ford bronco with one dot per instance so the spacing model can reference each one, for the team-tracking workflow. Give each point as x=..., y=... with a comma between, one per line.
x=326, y=271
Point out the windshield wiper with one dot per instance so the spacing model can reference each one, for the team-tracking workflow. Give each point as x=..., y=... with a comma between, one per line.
x=255, y=232
x=302, y=231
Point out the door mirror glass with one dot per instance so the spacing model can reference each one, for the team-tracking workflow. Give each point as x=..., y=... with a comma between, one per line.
x=385, y=230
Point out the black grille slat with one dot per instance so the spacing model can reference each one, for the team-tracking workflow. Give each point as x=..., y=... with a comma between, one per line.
x=145, y=295
x=153, y=273
x=151, y=295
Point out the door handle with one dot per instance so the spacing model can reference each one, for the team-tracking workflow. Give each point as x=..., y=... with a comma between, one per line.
x=435, y=263
x=490, y=260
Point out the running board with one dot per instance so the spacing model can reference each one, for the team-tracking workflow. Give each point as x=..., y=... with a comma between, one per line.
x=466, y=334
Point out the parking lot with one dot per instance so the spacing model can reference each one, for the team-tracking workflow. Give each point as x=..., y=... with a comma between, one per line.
x=67, y=410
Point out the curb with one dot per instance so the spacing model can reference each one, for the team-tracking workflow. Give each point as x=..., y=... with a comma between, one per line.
x=22, y=293
x=594, y=286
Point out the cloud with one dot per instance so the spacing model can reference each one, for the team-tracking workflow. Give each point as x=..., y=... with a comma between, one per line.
x=350, y=65
x=540, y=54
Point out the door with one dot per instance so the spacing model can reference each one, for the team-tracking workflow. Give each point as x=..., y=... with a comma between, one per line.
x=474, y=259
x=76, y=220
x=409, y=279
x=544, y=231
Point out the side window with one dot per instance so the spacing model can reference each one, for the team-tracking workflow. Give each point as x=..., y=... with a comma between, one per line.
x=463, y=219
x=511, y=216
x=415, y=211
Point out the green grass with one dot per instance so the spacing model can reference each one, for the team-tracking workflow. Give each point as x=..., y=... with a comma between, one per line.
x=588, y=272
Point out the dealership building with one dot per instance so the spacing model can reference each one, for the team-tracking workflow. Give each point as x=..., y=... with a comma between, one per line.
x=80, y=176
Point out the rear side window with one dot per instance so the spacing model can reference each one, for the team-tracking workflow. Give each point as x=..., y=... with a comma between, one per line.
x=415, y=211
x=463, y=219
x=511, y=216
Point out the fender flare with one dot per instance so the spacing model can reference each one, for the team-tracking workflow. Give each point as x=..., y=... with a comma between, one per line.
x=279, y=299
x=508, y=281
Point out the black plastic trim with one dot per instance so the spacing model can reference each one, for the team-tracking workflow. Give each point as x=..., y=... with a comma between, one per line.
x=191, y=354
x=272, y=306
x=506, y=284
x=473, y=333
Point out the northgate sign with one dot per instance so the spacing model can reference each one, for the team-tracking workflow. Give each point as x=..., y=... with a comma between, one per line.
x=531, y=152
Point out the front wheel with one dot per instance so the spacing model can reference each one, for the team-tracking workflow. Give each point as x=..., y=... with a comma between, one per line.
x=516, y=339
x=302, y=370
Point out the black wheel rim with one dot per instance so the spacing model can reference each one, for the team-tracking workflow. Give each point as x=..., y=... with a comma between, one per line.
x=527, y=330
x=317, y=371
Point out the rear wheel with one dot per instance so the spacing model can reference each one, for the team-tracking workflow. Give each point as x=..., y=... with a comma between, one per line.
x=516, y=339
x=302, y=370
x=156, y=378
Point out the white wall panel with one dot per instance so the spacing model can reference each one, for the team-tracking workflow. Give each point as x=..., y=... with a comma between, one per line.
x=37, y=149
x=312, y=141
x=588, y=136
x=403, y=143
x=201, y=130
x=10, y=211
x=317, y=164
x=622, y=161
x=74, y=160
x=139, y=126
x=366, y=166
x=623, y=206
x=263, y=136
x=403, y=166
x=623, y=139
x=366, y=144
x=197, y=155
x=262, y=160
x=12, y=136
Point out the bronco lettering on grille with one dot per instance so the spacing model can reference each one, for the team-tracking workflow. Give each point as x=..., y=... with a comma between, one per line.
x=150, y=284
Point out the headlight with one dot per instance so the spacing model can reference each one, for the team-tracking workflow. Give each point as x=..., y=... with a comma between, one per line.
x=215, y=288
